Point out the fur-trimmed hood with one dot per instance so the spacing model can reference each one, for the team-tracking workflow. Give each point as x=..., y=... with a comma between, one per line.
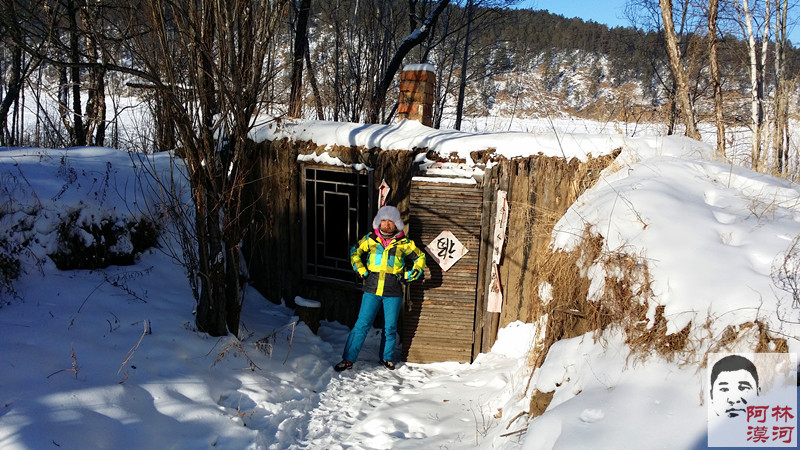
x=388, y=213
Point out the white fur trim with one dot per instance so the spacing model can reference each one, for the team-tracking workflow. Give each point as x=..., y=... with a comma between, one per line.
x=388, y=213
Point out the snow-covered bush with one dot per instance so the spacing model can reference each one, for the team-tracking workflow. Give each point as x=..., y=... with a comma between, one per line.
x=9, y=268
x=100, y=243
x=82, y=208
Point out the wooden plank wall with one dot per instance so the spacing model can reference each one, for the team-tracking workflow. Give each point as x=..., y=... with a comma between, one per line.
x=486, y=323
x=273, y=244
x=539, y=191
x=273, y=199
x=438, y=320
x=447, y=318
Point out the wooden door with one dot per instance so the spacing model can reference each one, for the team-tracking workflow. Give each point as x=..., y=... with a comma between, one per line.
x=439, y=317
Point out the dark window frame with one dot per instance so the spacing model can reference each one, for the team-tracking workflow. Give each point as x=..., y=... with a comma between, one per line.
x=324, y=190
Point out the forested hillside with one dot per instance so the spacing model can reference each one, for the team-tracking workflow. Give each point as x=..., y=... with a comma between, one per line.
x=532, y=61
x=71, y=69
x=538, y=63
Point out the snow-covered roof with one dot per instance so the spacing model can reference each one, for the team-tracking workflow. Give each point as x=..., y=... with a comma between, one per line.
x=455, y=149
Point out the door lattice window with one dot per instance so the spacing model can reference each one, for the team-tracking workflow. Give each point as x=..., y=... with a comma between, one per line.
x=336, y=216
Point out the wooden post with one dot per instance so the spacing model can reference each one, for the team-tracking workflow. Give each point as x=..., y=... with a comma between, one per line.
x=308, y=312
x=417, y=83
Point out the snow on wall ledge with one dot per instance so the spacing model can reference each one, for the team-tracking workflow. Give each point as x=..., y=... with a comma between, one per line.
x=454, y=145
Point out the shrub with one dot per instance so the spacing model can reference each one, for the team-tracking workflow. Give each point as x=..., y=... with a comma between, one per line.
x=96, y=245
x=9, y=267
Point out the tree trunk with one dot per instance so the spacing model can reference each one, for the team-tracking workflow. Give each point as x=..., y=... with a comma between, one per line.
x=96, y=98
x=780, y=147
x=211, y=314
x=63, y=99
x=462, y=86
x=164, y=124
x=337, y=69
x=678, y=71
x=782, y=95
x=96, y=102
x=312, y=80
x=762, y=75
x=756, y=111
x=100, y=108
x=716, y=85
x=233, y=294
x=300, y=48
x=78, y=131
x=12, y=94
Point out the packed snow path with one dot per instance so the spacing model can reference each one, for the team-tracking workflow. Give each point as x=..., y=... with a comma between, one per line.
x=305, y=404
x=351, y=409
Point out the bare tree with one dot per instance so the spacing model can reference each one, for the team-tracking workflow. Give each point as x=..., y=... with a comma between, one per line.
x=350, y=58
x=18, y=72
x=465, y=59
x=647, y=14
x=416, y=37
x=67, y=34
x=445, y=60
x=300, y=49
x=456, y=50
x=781, y=122
x=95, y=115
x=756, y=70
x=678, y=70
x=716, y=84
x=72, y=85
x=208, y=63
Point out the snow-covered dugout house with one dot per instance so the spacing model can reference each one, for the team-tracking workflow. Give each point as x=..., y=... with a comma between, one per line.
x=319, y=184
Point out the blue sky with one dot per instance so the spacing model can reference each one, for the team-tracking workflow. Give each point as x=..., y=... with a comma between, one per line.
x=609, y=12
x=612, y=12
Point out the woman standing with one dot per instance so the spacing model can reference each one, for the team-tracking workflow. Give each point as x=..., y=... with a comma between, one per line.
x=384, y=259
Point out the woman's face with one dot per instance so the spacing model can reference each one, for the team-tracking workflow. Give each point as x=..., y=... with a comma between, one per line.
x=387, y=226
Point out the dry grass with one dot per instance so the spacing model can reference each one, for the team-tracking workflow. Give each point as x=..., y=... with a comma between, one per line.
x=622, y=301
x=755, y=336
x=235, y=348
x=539, y=402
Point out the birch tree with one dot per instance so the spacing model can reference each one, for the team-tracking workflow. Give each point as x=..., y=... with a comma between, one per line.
x=757, y=63
x=678, y=70
x=716, y=85
x=781, y=108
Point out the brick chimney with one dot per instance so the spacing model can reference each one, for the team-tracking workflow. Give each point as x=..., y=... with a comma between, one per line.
x=417, y=82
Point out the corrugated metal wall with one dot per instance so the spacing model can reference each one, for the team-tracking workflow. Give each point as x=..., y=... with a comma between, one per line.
x=439, y=318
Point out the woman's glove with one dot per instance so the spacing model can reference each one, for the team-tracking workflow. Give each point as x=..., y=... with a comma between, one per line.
x=412, y=275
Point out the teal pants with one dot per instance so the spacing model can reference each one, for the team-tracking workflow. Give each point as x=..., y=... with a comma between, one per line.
x=370, y=305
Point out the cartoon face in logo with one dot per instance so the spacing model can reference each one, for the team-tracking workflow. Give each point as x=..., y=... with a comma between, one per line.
x=734, y=384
